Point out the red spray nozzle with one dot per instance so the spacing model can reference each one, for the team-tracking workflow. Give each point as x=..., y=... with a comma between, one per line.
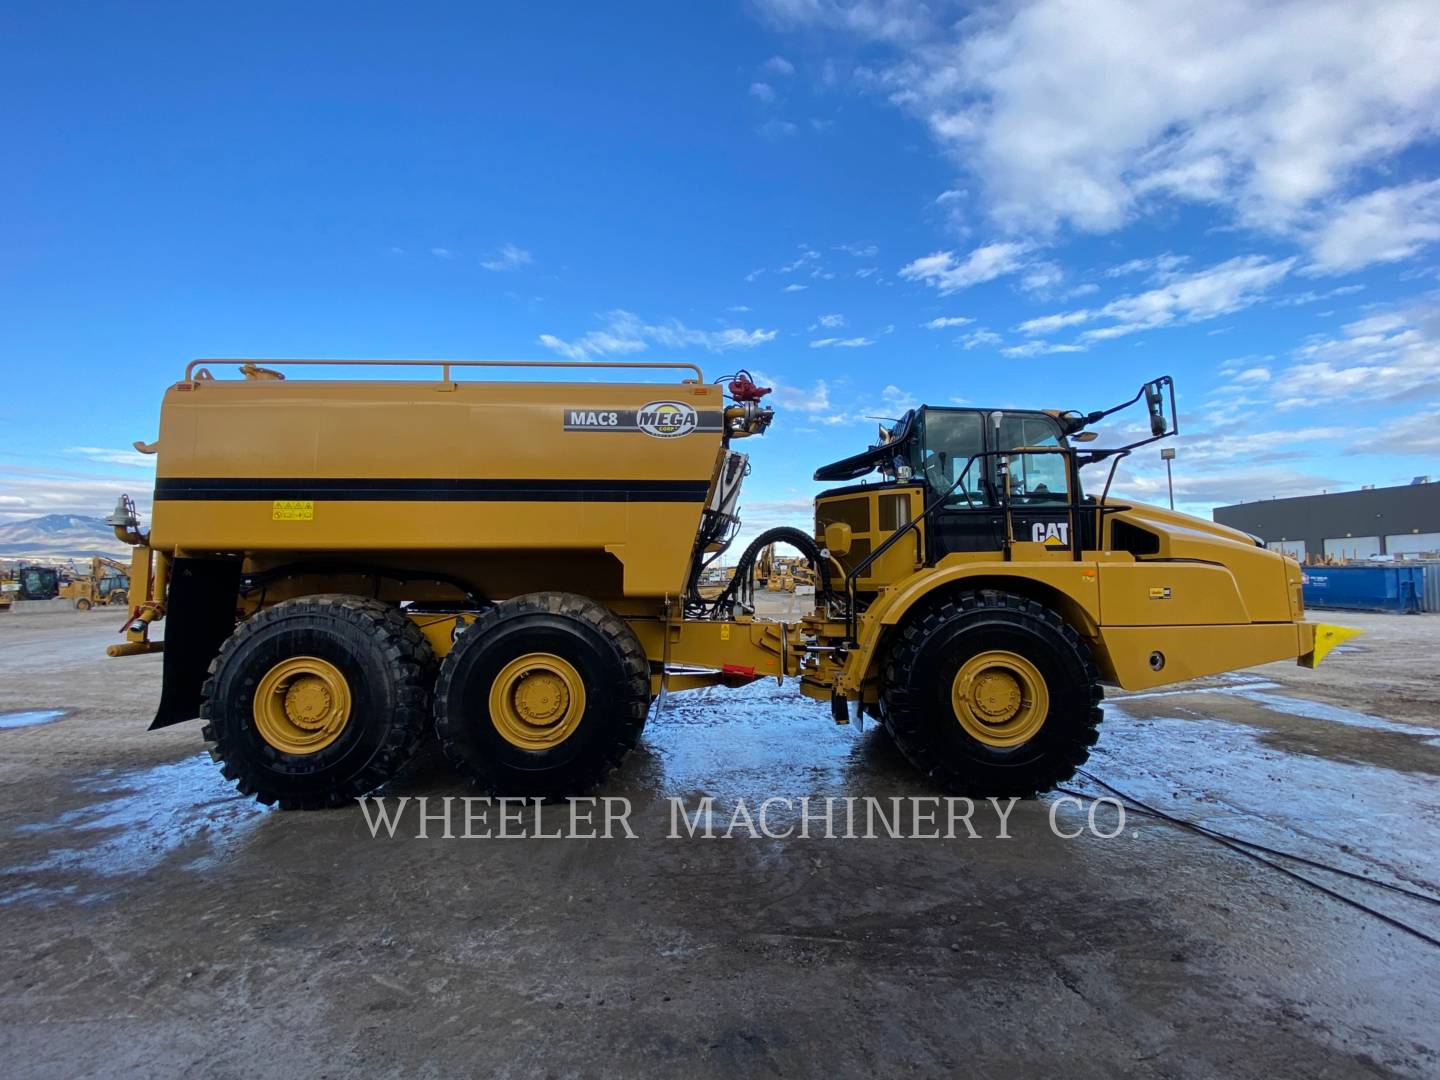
x=744, y=391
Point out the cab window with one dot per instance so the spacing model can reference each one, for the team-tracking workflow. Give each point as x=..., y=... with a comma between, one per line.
x=1034, y=477
x=947, y=442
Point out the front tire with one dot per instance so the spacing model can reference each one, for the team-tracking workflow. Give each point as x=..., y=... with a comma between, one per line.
x=991, y=694
x=542, y=696
x=318, y=700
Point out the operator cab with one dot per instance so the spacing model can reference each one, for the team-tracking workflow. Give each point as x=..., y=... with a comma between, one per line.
x=973, y=463
x=983, y=479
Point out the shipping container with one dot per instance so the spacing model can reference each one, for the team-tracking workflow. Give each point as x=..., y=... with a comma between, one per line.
x=1364, y=588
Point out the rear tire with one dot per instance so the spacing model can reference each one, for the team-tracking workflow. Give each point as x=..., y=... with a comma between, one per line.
x=332, y=655
x=991, y=694
x=82, y=604
x=542, y=696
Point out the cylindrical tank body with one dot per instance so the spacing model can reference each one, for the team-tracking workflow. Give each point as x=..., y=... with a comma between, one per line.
x=514, y=486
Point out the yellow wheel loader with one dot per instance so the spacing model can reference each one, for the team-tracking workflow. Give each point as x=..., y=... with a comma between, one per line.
x=344, y=565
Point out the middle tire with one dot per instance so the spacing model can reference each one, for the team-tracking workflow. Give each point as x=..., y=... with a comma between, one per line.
x=542, y=696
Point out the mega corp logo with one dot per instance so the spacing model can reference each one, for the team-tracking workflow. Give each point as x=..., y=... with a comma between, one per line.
x=666, y=419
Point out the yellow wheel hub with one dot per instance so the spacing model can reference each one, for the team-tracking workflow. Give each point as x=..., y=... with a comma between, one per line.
x=536, y=701
x=301, y=705
x=1000, y=698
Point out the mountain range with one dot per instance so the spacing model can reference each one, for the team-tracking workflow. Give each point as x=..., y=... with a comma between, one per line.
x=59, y=536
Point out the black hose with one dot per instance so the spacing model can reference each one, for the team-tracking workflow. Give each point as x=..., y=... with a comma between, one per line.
x=1251, y=850
x=741, y=590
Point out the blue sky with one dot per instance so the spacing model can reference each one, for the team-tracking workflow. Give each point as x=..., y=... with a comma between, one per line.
x=868, y=204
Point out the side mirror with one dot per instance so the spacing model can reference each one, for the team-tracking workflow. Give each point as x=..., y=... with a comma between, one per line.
x=1084, y=436
x=838, y=538
x=1155, y=403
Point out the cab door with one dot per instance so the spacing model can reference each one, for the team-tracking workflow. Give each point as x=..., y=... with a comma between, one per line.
x=969, y=519
x=1034, y=477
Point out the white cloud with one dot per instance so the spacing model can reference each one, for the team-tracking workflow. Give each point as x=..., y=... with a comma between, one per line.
x=1082, y=114
x=28, y=491
x=778, y=65
x=860, y=251
x=776, y=129
x=815, y=399
x=948, y=273
x=1311, y=297
x=842, y=343
x=1418, y=434
x=1184, y=298
x=625, y=333
x=897, y=399
x=792, y=287
x=115, y=456
x=1163, y=264
x=1389, y=355
x=1040, y=348
x=979, y=337
x=738, y=308
x=1048, y=324
x=442, y=253
x=1380, y=227
x=944, y=322
x=509, y=257
x=1253, y=375
x=1042, y=277
x=805, y=258
x=830, y=321
x=762, y=92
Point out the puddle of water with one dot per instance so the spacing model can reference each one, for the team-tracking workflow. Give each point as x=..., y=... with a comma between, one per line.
x=1254, y=689
x=141, y=819
x=1318, y=710
x=29, y=718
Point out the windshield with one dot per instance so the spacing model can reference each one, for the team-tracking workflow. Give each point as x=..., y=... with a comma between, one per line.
x=948, y=439
x=947, y=442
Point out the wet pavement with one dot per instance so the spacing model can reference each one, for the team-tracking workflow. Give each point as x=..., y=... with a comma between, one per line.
x=151, y=919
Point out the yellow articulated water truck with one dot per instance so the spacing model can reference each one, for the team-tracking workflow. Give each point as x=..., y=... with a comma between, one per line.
x=346, y=565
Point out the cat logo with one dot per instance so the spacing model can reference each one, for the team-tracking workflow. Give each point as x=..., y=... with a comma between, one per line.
x=666, y=419
x=1051, y=533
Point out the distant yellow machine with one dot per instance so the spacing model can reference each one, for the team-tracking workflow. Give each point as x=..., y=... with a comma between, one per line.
x=28, y=582
x=522, y=567
x=107, y=583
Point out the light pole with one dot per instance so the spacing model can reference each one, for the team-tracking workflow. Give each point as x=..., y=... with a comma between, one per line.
x=1168, y=455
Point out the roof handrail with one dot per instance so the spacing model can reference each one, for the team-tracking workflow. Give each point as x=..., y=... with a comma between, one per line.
x=446, y=365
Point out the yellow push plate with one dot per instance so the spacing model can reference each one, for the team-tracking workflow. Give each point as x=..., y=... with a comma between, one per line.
x=293, y=510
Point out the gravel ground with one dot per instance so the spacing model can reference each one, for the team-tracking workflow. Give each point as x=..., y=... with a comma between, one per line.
x=155, y=921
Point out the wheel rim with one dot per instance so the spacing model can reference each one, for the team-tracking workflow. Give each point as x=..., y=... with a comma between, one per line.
x=536, y=701
x=302, y=705
x=1000, y=698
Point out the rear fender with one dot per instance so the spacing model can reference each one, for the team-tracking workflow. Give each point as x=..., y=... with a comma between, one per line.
x=199, y=616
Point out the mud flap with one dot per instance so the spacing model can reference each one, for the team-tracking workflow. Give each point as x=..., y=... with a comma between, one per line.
x=199, y=616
